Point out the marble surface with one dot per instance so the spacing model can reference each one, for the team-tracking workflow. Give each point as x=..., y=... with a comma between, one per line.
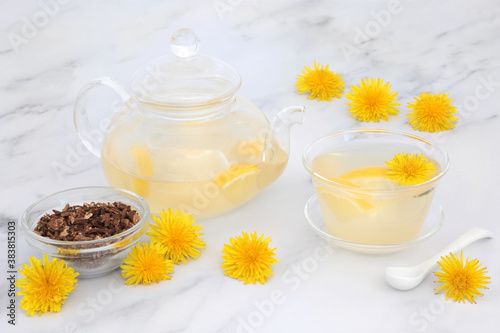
x=51, y=48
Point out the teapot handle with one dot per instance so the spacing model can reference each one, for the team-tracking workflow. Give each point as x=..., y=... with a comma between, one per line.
x=92, y=132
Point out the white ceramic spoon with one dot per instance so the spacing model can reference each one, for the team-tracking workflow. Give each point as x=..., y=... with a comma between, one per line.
x=406, y=278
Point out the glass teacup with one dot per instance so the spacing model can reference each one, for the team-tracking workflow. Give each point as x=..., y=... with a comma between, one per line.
x=358, y=201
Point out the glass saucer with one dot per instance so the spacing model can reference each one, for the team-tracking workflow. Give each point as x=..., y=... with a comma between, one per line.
x=432, y=224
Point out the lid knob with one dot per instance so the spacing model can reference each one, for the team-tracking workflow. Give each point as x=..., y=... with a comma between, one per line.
x=184, y=43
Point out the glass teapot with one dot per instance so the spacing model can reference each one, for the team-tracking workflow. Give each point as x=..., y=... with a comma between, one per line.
x=183, y=139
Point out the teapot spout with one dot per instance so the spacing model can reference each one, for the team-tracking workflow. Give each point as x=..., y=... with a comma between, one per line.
x=277, y=144
x=281, y=125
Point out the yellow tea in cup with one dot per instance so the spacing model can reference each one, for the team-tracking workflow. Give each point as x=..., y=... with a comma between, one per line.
x=358, y=201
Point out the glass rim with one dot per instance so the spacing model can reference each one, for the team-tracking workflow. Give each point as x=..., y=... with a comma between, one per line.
x=307, y=163
x=121, y=236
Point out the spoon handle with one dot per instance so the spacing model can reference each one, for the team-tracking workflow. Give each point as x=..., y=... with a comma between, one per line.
x=468, y=237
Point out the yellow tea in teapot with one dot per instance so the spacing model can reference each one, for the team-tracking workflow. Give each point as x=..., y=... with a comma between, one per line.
x=204, y=180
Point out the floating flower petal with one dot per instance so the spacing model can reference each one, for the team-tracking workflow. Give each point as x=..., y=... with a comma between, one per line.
x=410, y=169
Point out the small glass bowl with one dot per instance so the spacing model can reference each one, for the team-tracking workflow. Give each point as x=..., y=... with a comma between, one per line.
x=433, y=222
x=94, y=257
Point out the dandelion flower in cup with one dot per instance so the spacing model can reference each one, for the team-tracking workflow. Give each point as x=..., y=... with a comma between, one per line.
x=410, y=169
x=461, y=281
x=248, y=259
x=46, y=285
x=432, y=113
x=145, y=264
x=372, y=100
x=320, y=82
x=178, y=235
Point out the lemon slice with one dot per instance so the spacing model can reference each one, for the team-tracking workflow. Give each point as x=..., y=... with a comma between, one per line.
x=370, y=178
x=239, y=182
x=373, y=171
x=343, y=182
x=348, y=207
x=141, y=186
x=345, y=208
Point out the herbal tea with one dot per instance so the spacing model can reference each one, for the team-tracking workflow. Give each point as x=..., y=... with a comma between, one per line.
x=204, y=182
x=360, y=204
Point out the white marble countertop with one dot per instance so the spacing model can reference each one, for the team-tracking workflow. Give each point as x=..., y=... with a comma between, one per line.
x=51, y=48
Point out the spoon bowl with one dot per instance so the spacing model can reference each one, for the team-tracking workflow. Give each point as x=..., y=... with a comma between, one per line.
x=406, y=278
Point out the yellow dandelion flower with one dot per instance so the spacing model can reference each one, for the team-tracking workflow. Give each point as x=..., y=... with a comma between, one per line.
x=46, y=285
x=249, y=259
x=178, y=235
x=372, y=100
x=432, y=113
x=461, y=281
x=410, y=169
x=320, y=82
x=145, y=264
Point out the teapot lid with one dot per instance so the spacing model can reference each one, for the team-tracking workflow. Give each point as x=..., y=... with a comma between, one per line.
x=185, y=78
